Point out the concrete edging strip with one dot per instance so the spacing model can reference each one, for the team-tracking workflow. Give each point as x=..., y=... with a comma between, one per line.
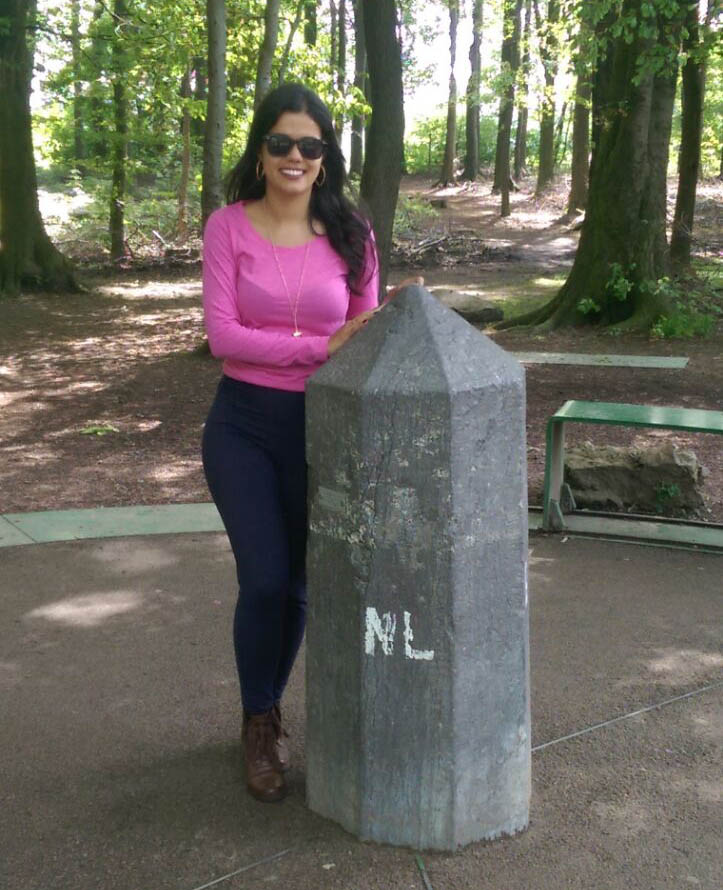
x=671, y=362
x=107, y=522
x=11, y=535
x=45, y=527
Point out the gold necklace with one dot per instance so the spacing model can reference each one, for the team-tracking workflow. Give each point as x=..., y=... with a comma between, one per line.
x=294, y=307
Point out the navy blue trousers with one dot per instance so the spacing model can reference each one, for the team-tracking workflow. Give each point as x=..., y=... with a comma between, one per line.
x=253, y=458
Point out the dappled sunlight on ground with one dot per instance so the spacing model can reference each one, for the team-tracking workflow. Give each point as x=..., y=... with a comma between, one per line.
x=58, y=213
x=626, y=817
x=171, y=473
x=143, y=557
x=157, y=290
x=89, y=610
x=675, y=665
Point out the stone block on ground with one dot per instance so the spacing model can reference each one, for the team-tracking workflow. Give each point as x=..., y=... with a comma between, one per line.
x=660, y=479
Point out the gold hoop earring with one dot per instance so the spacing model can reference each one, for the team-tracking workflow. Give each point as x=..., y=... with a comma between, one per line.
x=259, y=170
x=319, y=182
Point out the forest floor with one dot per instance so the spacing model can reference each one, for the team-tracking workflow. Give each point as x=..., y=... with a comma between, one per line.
x=104, y=393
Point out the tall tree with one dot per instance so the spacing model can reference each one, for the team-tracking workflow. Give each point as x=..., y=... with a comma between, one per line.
x=27, y=256
x=284, y=63
x=471, y=161
x=382, y=171
x=360, y=76
x=623, y=250
x=549, y=55
x=510, y=61
x=268, y=48
x=212, y=186
x=341, y=65
x=182, y=219
x=200, y=84
x=691, y=126
x=78, y=135
x=98, y=143
x=561, y=135
x=450, y=143
x=577, y=199
x=520, y=163
x=310, y=26
x=120, y=134
x=333, y=36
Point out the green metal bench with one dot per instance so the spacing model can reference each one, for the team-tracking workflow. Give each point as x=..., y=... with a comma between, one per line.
x=690, y=420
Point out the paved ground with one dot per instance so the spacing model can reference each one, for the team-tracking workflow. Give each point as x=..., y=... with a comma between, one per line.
x=120, y=759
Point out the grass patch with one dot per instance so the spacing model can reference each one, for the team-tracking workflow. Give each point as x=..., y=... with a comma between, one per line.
x=527, y=294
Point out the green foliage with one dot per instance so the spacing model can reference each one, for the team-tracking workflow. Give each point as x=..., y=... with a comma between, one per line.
x=424, y=148
x=99, y=430
x=665, y=492
x=414, y=31
x=150, y=212
x=693, y=302
x=712, y=135
x=587, y=306
x=618, y=284
x=694, y=308
x=683, y=323
x=413, y=215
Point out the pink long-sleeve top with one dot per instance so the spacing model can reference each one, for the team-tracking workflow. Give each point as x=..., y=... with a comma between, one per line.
x=248, y=313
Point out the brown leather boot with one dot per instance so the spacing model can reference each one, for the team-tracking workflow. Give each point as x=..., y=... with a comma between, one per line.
x=282, y=748
x=264, y=779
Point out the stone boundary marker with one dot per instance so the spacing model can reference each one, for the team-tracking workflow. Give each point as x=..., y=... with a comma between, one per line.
x=418, y=721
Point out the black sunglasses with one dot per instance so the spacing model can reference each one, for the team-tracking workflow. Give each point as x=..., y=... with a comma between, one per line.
x=279, y=145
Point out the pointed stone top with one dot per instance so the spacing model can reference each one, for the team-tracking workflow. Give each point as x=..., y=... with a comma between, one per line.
x=415, y=344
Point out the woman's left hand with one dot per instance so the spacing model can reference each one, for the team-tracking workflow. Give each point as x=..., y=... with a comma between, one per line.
x=393, y=291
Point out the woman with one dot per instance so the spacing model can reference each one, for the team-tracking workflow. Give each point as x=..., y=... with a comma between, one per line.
x=289, y=275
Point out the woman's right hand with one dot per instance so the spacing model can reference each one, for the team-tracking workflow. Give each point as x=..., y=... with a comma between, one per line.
x=347, y=331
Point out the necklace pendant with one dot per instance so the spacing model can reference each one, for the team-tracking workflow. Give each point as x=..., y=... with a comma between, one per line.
x=296, y=333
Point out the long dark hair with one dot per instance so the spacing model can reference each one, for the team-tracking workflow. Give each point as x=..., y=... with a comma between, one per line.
x=347, y=229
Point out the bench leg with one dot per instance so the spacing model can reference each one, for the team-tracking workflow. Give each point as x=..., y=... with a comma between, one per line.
x=554, y=466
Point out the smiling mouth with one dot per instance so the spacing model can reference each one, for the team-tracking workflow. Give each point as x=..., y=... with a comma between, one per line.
x=292, y=171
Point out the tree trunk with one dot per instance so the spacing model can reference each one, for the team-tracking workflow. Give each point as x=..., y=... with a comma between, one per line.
x=78, y=140
x=691, y=127
x=450, y=144
x=385, y=144
x=623, y=249
x=120, y=135
x=333, y=35
x=284, y=64
x=471, y=161
x=360, y=76
x=212, y=186
x=268, y=48
x=182, y=221
x=549, y=55
x=27, y=256
x=520, y=164
x=97, y=92
x=310, y=27
x=510, y=60
x=199, y=94
x=341, y=66
x=561, y=134
x=577, y=200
